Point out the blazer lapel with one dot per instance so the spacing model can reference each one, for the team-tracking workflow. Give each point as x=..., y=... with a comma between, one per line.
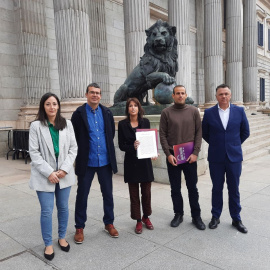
x=231, y=114
x=47, y=138
x=217, y=116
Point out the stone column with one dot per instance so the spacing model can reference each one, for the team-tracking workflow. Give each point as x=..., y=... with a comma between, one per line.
x=213, y=64
x=36, y=47
x=99, y=50
x=234, y=43
x=136, y=20
x=250, y=72
x=179, y=17
x=73, y=47
x=200, y=53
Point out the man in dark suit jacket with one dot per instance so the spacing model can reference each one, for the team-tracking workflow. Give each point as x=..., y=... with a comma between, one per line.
x=94, y=130
x=225, y=127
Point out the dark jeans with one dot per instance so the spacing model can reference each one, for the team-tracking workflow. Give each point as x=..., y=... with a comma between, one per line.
x=84, y=183
x=217, y=173
x=190, y=172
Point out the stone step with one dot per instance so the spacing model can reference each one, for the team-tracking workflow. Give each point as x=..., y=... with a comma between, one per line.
x=259, y=126
x=257, y=137
x=255, y=154
x=259, y=131
x=259, y=120
x=249, y=148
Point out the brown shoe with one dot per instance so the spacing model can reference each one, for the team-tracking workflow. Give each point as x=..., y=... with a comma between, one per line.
x=78, y=237
x=109, y=228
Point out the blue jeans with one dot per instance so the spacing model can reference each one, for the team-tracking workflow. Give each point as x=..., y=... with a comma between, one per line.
x=46, y=200
x=84, y=183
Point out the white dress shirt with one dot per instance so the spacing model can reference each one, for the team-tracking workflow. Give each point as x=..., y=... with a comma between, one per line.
x=224, y=115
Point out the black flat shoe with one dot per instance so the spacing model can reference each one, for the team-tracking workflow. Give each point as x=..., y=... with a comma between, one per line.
x=197, y=221
x=66, y=249
x=239, y=226
x=178, y=218
x=214, y=223
x=48, y=256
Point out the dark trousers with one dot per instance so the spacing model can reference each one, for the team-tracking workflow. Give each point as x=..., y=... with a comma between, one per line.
x=135, y=206
x=190, y=172
x=217, y=173
x=84, y=183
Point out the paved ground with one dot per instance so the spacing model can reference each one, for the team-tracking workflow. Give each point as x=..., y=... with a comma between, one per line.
x=185, y=247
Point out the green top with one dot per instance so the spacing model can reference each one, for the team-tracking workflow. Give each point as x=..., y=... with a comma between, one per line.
x=55, y=138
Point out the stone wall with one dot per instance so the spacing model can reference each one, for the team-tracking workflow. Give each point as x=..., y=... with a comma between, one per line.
x=10, y=81
x=264, y=72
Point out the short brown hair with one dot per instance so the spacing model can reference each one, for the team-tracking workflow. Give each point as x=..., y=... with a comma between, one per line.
x=137, y=102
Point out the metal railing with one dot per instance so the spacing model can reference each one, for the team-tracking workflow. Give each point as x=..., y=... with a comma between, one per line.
x=18, y=142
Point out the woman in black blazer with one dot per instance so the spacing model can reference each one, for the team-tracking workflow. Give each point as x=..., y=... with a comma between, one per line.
x=136, y=171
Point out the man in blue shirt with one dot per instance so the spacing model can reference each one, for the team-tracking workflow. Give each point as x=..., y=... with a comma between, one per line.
x=94, y=130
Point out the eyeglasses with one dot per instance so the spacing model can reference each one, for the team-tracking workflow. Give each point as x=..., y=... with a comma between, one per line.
x=94, y=93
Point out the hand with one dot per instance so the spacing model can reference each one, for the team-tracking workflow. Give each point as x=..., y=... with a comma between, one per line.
x=136, y=144
x=53, y=178
x=192, y=158
x=61, y=173
x=172, y=160
x=155, y=158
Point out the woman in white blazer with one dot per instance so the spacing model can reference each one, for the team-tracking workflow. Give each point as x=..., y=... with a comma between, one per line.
x=53, y=149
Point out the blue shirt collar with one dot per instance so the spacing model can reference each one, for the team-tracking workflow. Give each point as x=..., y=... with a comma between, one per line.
x=90, y=109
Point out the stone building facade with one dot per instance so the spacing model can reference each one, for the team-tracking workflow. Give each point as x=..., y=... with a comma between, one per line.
x=62, y=45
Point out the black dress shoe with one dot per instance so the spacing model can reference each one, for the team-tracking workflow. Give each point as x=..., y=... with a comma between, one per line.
x=197, y=221
x=214, y=223
x=66, y=249
x=178, y=218
x=48, y=256
x=239, y=226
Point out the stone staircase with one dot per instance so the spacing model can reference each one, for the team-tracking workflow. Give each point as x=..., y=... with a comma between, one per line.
x=258, y=144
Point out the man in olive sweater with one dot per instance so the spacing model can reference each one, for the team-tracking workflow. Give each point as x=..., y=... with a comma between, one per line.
x=179, y=124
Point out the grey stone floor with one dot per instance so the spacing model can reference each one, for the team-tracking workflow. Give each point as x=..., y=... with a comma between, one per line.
x=185, y=247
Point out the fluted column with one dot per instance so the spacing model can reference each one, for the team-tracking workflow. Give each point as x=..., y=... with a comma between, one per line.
x=234, y=43
x=73, y=47
x=136, y=20
x=37, y=75
x=99, y=50
x=250, y=72
x=212, y=48
x=179, y=17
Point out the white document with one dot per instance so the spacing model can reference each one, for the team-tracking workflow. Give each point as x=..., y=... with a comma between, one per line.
x=148, y=144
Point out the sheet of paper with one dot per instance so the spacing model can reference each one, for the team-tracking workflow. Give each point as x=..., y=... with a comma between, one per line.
x=148, y=145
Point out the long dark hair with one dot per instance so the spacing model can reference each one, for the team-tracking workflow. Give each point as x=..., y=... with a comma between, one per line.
x=60, y=122
x=137, y=102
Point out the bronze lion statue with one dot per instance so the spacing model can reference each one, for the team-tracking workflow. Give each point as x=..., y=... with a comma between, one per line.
x=158, y=64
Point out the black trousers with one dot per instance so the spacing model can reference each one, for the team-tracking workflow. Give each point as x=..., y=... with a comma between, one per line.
x=190, y=172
